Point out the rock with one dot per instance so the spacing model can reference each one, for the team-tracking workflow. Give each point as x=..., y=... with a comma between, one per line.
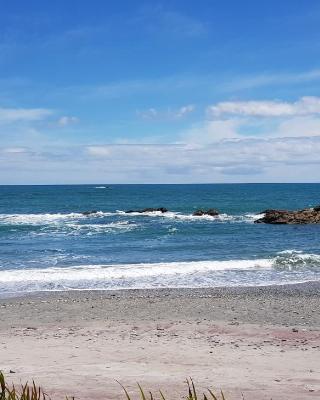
x=305, y=216
x=212, y=212
x=87, y=213
x=144, y=210
x=270, y=210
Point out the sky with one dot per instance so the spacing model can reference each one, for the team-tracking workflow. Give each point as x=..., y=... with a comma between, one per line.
x=159, y=92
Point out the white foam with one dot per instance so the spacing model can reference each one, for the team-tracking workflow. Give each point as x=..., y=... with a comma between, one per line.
x=45, y=219
x=190, y=217
x=112, y=271
x=295, y=260
x=60, y=218
x=285, y=268
x=100, y=228
x=170, y=215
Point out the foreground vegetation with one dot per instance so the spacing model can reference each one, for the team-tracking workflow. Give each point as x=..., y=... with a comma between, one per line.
x=34, y=392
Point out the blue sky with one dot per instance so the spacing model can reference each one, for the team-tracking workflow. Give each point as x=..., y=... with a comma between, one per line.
x=163, y=92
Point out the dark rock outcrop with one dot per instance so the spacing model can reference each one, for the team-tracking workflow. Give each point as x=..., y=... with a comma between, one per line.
x=88, y=213
x=144, y=210
x=305, y=216
x=212, y=212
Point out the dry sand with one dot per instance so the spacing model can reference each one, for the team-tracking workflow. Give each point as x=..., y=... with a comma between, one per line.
x=262, y=342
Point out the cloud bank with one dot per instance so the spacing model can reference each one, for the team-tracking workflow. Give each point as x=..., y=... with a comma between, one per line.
x=304, y=106
x=237, y=141
x=246, y=160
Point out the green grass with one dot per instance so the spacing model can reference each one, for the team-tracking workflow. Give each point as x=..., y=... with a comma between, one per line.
x=34, y=392
x=26, y=392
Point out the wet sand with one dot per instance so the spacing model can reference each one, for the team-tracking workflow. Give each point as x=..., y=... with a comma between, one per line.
x=262, y=342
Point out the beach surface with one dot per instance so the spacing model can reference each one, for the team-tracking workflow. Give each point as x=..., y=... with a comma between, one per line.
x=263, y=342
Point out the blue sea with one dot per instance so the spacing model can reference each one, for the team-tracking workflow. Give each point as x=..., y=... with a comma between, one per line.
x=47, y=244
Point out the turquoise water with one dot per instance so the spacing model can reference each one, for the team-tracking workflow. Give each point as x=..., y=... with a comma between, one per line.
x=47, y=244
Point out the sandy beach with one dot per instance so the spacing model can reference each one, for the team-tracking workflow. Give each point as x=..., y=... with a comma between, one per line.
x=263, y=342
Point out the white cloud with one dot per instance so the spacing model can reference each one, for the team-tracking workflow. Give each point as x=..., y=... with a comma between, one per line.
x=154, y=114
x=210, y=131
x=231, y=160
x=297, y=126
x=98, y=151
x=10, y=115
x=14, y=150
x=269, y=79
x=304, y=106
x=250, y=160
x=213, y=130
x=67, y=120
x=151, y=113
x=184, y=111
x=257, y=153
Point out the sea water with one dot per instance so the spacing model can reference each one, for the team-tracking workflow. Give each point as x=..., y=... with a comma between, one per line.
x=47, y=243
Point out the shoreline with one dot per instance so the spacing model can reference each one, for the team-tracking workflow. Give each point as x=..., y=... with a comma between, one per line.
x=303, y=286
x=309, y=286
x=262, y=341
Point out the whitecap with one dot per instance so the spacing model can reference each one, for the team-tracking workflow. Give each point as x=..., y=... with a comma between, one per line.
x=249, y=217
x=283, y=268
x=45, y=219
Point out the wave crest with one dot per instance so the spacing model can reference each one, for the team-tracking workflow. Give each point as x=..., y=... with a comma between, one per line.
x=290, y=260
x=284, y=268
x=60, y=218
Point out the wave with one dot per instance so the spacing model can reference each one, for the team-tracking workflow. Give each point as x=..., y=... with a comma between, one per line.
x=60, y=218
x=248, y=217
x=45, y=219
x=284, y=267
x=114, y=271
x=295, y=260
x=91, y=229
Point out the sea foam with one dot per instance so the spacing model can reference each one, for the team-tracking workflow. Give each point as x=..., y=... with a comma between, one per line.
x=171, y=274
x=47, y=218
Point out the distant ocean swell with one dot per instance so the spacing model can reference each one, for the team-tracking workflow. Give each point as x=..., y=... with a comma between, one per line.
x=286, y=267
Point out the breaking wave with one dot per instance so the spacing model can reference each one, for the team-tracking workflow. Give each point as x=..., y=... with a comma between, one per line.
x=60, y=218
x=43, y=219
x=248, y=217
x=285, y=267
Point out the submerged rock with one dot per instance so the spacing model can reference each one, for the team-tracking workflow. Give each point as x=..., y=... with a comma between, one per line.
x=305, y=216
x=212, y=212
x=87, y=213
x=144, y=210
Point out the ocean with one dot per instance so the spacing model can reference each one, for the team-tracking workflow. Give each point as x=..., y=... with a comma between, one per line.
x=47, y=244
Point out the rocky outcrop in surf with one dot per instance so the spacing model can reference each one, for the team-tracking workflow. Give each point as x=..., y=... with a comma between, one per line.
x=305, y=216
x=146, y=210
x=88, y=213
x=212, y=212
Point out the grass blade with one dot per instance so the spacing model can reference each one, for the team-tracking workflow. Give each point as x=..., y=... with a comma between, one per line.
x=213, y=395
x=142, y=393
x=125, y=391
x=162, y=396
